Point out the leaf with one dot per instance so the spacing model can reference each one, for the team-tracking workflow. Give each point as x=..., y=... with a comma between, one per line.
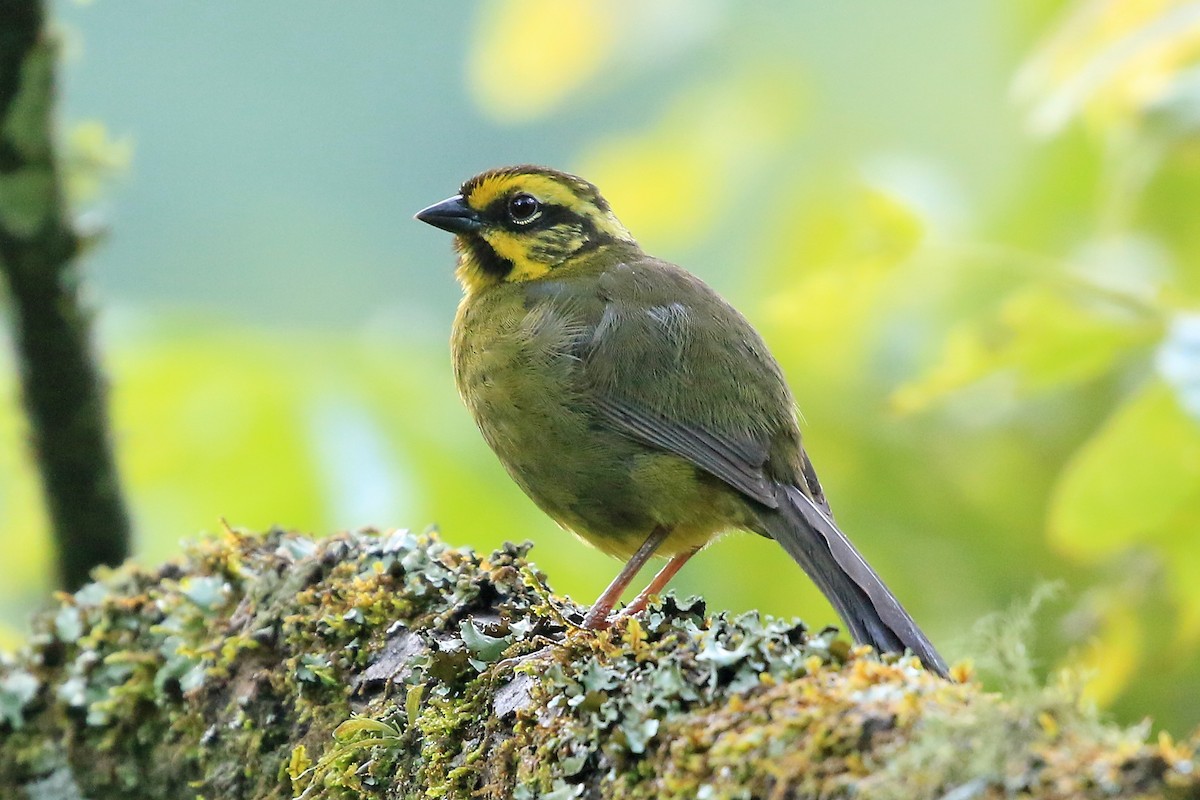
x=1111, y=661
x=674, y=181
x=299, y=762
x=1108, y=60
x=356, y=726
x=1182, y=569
x=412, y=703
x=834, y=262
x=1128, y=481
x=1045, y=337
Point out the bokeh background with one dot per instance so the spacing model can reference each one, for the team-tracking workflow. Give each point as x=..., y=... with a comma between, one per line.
x=970, y=231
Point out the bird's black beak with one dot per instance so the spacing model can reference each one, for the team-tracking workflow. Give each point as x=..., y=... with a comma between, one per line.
x=452, y=214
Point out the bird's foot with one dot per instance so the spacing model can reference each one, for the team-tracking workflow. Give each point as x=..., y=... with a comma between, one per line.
x=597, y=622
x=598, y=618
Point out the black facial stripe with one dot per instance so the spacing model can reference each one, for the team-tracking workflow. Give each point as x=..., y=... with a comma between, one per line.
x=551, y=215
x=488, y=259
x=497, y=210
x=592, y=237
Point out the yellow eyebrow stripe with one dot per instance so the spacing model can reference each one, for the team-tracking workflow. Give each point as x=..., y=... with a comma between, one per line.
x=543, y=187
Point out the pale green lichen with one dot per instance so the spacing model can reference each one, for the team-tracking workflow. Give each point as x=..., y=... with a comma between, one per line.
x=392, y=666
x=17, y=690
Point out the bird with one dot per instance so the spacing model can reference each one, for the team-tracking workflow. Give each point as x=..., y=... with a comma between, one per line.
x=634, y=405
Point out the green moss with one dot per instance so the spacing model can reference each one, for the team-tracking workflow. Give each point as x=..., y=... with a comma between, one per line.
x=25, y=127
x=390, y=666
x=28, y=194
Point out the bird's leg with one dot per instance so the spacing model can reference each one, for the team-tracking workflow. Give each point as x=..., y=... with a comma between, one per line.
x=597, y=618
x=659, y=583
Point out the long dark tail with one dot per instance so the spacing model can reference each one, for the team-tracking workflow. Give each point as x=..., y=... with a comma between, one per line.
x=873, y=614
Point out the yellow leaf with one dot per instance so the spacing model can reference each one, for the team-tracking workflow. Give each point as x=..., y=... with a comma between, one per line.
x=657, y=185
x=529, y=55
x=1112, y=659
x=299, y=763
x=824, y=321
x=672, y=182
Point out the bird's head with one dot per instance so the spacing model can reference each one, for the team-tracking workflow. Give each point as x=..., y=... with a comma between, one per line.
x=518, y=223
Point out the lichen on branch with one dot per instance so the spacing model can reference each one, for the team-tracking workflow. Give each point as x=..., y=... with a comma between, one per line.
x=390, y=665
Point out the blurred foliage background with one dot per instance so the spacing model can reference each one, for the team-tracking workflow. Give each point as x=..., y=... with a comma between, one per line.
x=970, y=231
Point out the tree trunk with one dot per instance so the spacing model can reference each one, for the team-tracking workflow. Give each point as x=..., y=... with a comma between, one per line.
x=39, y=248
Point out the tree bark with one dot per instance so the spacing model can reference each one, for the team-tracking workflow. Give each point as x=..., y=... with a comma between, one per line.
x=61, y=384
x=390, y=666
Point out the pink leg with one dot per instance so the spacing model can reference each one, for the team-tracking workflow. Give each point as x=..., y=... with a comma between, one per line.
x=659, y=583
x=597, y=618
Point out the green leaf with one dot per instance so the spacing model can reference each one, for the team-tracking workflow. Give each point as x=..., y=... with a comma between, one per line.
x=1128, y=481
x=359, y=725
x=1046, y=338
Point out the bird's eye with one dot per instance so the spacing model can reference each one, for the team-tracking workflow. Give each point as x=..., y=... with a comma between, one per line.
x=523, y=208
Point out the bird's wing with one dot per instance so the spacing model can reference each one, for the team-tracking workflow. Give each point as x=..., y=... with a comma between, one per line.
x=737, y=463
x=671, y=364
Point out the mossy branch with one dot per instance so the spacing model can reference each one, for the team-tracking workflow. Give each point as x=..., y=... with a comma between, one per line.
x=61, y=383
x=390, y=665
